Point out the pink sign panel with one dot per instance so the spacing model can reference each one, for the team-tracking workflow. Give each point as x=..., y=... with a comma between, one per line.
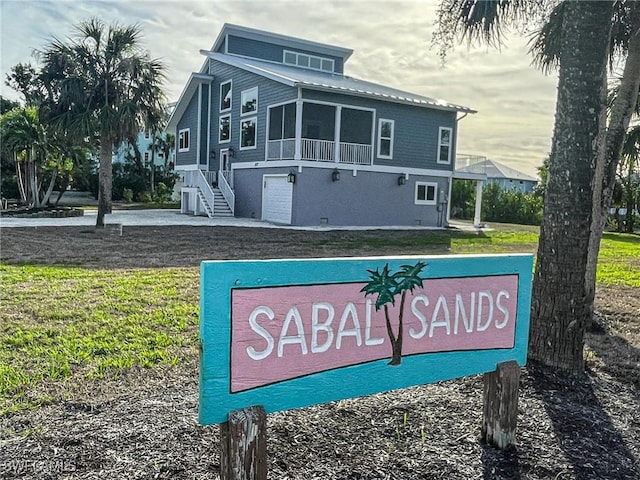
x=281, y=333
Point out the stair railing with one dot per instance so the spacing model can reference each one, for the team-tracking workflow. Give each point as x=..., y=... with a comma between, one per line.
x=227, y=191
x=201, y=182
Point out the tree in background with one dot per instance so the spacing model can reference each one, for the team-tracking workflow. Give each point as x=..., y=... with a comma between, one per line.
x=102, y=85
x=583, y=151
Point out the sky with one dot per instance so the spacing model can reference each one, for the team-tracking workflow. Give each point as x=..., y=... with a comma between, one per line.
x=392, y=43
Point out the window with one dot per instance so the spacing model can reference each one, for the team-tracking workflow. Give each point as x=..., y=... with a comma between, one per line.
x=147, y=134
x=146, y=158
x=225, y=96
x=308, y=61
x=224, y=133
x=249, y=101
x=183, y=140
x=444, y=145
x=426, y=193
x=248, y=133
x=385, y=138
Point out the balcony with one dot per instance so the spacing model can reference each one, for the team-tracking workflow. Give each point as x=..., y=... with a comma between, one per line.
x=475, y=164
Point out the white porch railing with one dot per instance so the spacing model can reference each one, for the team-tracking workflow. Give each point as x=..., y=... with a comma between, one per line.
x=317, y=150
x=471, y=163
x=210, y=176
x=224, y=184
x=355, y=153
x=281, y=149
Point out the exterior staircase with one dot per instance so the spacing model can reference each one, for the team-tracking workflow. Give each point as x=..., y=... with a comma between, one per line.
x=220, y=206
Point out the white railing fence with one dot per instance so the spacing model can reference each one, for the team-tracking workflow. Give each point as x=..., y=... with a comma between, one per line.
x=197, y=178
x=281, y=149
x=355, y=153
x=318, y=150
x=224, y=184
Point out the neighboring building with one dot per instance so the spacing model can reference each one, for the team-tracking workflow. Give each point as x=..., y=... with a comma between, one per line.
x=144, y=140
x=271, y=128
x=506, y=177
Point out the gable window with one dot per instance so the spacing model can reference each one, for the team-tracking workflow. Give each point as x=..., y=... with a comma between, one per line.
x=444, y=145
x=248, y=133
x=225, y=96
x=183, y=140
x=426, y=193
x=308, y=61
x=224, y=132
x=249, y=101
x=385, y=138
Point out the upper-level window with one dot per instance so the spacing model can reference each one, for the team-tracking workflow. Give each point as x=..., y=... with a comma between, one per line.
x=225, y=96
x=426, y=193
x=385, y=138
x=224, y=131
x=183, y=140
x=248, y=133
x=308, y=61
x=444, y=145
x=249, y=101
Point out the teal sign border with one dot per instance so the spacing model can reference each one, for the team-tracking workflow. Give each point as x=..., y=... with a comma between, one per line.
x=218, y=278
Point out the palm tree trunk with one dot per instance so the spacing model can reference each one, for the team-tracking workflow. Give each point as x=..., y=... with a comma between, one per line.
x=560, y=306
x=392, y=337
x=54, y=174
x=20, y=178
x=105, y=180
x=396, y=359
x=609, y=156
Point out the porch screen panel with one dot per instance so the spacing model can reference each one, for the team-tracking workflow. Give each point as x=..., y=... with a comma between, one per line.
x=282, y=122
x=290, y=120
x=275, y=123
x=355, y=126
x=318, y=121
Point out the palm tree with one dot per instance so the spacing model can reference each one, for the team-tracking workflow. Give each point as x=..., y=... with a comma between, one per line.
x=386, y=287
x=34, y=152
x=561, y=304
x=102, y=85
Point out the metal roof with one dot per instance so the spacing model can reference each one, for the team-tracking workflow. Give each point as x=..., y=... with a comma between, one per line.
x=332, y=82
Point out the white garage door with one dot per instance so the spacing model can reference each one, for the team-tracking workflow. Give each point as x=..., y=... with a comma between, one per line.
x=277, y=195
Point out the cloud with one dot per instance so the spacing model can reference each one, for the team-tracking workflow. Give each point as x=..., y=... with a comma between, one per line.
x=391, y=42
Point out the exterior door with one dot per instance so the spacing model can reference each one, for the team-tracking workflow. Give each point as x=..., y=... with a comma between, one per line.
x=277, y=199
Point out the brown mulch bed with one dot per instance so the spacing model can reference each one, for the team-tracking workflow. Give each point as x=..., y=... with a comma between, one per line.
x=143, y=425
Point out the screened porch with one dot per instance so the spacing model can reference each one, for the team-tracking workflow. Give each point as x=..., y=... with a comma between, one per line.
x=320, y=132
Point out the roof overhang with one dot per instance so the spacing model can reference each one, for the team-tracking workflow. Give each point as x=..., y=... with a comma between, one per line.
x=195, y=80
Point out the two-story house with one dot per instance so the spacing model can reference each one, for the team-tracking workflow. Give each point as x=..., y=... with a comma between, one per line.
x=271, y=128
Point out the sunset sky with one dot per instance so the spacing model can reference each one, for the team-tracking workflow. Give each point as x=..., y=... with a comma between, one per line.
x=391, y=42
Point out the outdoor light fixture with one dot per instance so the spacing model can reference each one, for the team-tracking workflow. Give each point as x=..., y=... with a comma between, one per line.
x=335, y=175
x=402, y=180
x=231, y=151
x=213, y=154
x=291, y=178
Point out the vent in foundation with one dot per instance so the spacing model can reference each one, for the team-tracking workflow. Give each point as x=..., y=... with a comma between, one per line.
x=324, y=221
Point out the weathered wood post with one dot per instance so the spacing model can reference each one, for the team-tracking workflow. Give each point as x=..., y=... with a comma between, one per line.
x=500, y=405
x=243, y=445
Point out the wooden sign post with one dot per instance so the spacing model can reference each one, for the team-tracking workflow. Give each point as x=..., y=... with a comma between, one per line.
x=283, y=334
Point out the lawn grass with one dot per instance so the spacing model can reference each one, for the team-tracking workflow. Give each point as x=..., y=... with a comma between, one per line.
x=60, y=323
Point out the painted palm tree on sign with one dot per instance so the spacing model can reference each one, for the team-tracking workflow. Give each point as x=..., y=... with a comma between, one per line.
x=387, y=286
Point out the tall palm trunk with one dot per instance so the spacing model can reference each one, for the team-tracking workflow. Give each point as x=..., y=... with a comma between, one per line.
x=559, y=309
x=609, y=155
x=105, y=180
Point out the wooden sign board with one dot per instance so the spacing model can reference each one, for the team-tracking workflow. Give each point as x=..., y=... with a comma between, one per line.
x=285, y=334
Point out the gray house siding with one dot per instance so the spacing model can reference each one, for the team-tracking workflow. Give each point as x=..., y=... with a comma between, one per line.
x=416, y=129
x=367, y=199
x=269, y=93
x=189, y=120
x=271, y=52
x=204, y=124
